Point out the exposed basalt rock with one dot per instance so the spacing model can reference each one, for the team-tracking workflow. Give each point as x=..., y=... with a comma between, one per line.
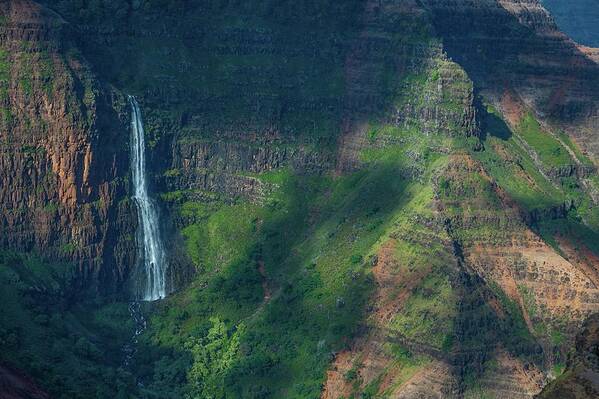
x=555, y=212
x=450, y=86
x=223, y=166
x=578, y=171
x=510, y=377
x=275, y=74
x=581, y=378
x=515, y=45
x=63, y=155
x=489, y=268
x=397, y=71
x=231, y=156
x=233, y=186
x=518, y=248
x=591, y=52
x=382, y=54
x=395, y=41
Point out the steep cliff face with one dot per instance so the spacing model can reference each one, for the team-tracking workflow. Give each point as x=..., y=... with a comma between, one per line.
x=580, y=380
x=497, y=294
x=513, y=49
x=63, y=151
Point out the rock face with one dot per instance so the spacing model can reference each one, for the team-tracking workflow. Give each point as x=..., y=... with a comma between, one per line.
x=514, y=49
x=581, y=378
x=63, y=151
x=488, y=339
x=218, y=166
x=214, y=132
x=494, y=42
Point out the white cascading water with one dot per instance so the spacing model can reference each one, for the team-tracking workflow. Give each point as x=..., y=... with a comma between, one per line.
x=151, y=253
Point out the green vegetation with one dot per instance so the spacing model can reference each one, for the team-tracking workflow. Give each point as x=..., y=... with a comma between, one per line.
x=558, y=369
x=294, y=269
x=518, y=173
x=550, y=151
x=529, y=300
x=520, y=335
x=557, y=338
x=46, y=71
x=213, y=357
x=25, y=84
x=5, y=113
x=51, y=207
x=4, y=67
x=26, y=73
x=514, y=171
x=510, y=163
x=318, y=281
x=221, y=235
x=574, y=148
x=172, y=172
x=429, y=313
x=68, y=248
x=407, y=361
x=73, y=351
x=7, y=116
x=29, y=149
x=513, y=168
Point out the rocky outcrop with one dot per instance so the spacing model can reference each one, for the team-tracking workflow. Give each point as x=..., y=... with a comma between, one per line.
x=515, y=46
x=398, y=73
x=581, y=378
x=229, y=167
x=63, y=151
x=516, y=300
x=248, y=156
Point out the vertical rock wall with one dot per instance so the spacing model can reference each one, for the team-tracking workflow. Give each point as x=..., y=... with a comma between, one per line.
x=63, y=151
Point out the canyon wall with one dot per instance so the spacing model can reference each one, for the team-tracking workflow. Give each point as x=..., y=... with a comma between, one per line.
x=63, y=151
x=514, y=52
x=223, y=103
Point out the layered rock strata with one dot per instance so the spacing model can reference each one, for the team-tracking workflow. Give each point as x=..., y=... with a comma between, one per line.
x=63, y=151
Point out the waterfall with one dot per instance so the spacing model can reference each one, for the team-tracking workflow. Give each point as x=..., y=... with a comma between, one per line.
x=151, y=284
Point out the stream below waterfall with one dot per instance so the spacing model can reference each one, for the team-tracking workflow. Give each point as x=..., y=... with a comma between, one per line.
x=140, y=324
